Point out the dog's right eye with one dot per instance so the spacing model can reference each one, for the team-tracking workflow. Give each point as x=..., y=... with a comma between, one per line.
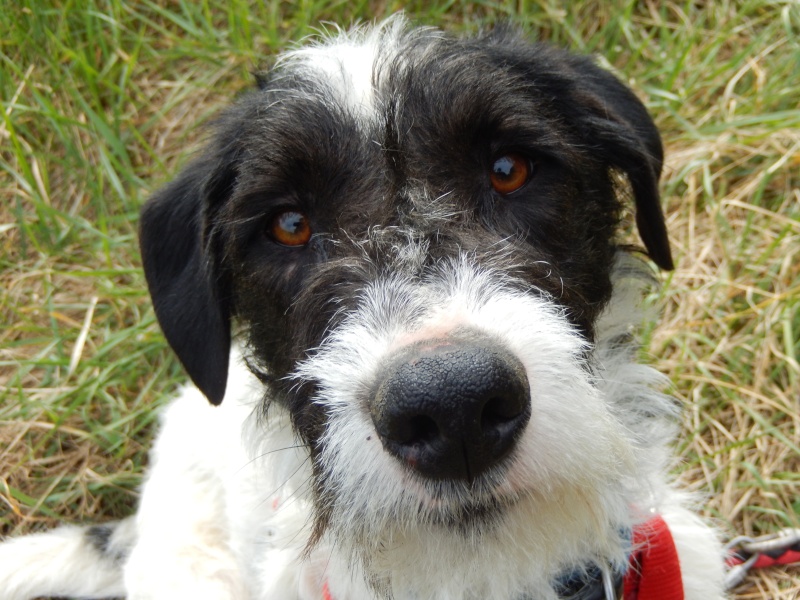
x=290, y=228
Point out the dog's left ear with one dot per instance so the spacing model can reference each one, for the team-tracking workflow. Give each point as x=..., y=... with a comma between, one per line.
x=618, y=125
x=184, y=282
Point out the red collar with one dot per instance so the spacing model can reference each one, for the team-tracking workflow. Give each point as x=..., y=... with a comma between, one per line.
x=654, y=572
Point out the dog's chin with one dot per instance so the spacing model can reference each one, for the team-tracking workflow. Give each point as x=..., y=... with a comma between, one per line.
x=471, y=517
x=403, y=550
x=467, y=507
x=443, y=507
x=451, y=514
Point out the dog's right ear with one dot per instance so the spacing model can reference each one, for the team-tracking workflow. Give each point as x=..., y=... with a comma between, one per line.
x=183, y=278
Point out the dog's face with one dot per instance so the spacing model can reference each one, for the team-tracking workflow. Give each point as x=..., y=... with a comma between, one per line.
x=416, y=234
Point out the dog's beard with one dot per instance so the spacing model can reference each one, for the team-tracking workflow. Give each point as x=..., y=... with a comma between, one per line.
x=402, y=549
x=370, y=540
x=454, y=506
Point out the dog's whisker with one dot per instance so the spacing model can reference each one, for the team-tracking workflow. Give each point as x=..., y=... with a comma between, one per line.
x=268, y=453
x=270, y=496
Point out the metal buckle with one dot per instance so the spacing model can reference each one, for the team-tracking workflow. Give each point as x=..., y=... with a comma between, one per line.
x=610, y=590
x=753, y=547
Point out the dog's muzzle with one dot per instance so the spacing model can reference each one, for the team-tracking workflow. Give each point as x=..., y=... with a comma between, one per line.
x=452, y=408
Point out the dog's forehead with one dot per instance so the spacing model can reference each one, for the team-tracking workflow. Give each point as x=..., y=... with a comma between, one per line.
x=400, y=103
x=380, y=73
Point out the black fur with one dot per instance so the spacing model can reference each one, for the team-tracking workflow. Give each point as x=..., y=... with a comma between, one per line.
x=100, y=537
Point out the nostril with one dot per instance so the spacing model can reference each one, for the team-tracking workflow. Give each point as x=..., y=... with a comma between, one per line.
x=500, y=411
x=425, y=429
x=416, y=431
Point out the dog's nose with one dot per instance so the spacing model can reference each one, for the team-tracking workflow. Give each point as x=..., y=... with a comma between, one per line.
x=452, y=410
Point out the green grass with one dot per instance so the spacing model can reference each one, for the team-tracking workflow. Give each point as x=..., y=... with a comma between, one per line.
x=101, y=101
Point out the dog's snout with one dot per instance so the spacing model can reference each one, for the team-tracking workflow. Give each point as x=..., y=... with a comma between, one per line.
x=452, y=410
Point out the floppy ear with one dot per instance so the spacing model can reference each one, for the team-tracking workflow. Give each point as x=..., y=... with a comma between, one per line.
x=619, y=124
x=184, y=282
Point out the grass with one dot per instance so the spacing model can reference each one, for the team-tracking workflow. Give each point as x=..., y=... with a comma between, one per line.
x=102, y=100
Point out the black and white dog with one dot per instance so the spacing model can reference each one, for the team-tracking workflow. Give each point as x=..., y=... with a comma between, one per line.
x=431, y=393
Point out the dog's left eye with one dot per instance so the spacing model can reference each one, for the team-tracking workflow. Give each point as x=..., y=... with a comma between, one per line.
x=290, y=228
x=510, y=172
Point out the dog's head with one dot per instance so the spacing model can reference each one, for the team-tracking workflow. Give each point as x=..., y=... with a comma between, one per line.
x=416, y=234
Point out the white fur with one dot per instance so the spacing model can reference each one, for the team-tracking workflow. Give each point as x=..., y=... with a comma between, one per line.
x=60, y=563
x=347, y=65
x=698, y=548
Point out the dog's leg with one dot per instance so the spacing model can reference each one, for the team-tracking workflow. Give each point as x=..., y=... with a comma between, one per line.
x=79, y=562
x=183, y=548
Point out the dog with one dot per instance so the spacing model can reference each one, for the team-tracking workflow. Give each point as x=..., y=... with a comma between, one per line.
x=395, y=280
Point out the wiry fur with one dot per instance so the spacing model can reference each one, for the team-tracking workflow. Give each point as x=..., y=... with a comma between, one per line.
x=383, y=138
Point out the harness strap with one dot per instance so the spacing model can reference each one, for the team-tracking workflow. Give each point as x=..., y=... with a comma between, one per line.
x=654, y=571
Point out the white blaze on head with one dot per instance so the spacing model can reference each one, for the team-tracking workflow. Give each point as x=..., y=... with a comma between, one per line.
x=349, y=63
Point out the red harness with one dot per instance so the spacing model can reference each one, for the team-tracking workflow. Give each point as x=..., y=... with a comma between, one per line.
x=654, y=572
